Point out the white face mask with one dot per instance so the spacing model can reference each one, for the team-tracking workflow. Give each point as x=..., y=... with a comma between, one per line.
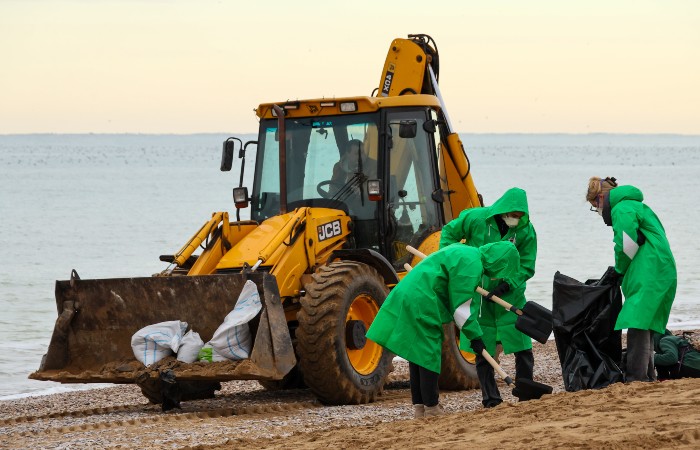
x=510, y=221
x=600, y=212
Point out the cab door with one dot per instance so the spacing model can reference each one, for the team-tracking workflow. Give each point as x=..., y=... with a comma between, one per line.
x=412, y=212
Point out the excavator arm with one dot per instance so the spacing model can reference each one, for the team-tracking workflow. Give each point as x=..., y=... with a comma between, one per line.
x=412, y=67
x=406, y=66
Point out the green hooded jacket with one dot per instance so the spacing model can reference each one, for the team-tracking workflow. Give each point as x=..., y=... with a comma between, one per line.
x=668, y=350
x=477, y=226
x=649, y=283
x=437, y=291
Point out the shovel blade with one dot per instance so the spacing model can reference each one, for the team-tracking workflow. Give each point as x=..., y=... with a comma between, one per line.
x=536, y=310
x=530, y=390
x=535, y=322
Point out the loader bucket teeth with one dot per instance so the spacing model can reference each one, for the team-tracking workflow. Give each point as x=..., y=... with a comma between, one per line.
x=92, y=335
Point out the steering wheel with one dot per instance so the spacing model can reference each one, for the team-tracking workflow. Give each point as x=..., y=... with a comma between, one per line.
x=328, y=184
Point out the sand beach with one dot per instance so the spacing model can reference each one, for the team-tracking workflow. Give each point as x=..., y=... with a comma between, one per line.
x=637, y=415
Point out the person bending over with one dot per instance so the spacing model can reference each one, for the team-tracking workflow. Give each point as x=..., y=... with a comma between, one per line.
x=440, y=289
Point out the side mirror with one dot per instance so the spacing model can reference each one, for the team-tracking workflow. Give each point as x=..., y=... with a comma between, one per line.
x=240, y=197
x=430, y=126
x=408, y=129
x=241, y=152
x=227, y=155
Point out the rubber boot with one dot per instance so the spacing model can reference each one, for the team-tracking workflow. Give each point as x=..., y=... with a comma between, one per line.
x=436, y=410
x=418, y=411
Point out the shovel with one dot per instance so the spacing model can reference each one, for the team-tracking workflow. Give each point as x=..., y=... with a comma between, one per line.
x=524, y=389
x=533, y=320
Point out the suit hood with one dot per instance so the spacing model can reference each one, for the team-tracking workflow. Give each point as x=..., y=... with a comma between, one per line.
x=621, y=193
x=500, y=259
x=514, y=199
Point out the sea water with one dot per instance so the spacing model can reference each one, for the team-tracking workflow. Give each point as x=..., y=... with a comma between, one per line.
x=109, y=205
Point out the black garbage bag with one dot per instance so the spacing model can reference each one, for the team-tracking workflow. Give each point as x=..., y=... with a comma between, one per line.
x=584, y=315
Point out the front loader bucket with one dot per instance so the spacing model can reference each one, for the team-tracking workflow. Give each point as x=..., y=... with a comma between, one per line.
x=91, y=342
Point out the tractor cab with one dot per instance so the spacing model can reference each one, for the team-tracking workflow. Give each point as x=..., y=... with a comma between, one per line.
x=377, y=164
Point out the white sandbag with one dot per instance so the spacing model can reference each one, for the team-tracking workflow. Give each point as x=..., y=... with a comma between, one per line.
x=232, y=339
x=208, y=354
x=154, y=342
x=190, y=345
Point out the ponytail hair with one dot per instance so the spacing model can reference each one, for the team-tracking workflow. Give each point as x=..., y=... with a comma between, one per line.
x=597, y=186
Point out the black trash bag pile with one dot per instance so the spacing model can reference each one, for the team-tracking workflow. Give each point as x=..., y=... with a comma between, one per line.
x=584, y=315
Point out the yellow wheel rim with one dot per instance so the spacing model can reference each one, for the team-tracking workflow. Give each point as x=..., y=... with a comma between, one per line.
x=468, y=357
x=366, y=359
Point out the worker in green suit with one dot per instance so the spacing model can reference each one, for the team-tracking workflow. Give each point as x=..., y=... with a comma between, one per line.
x=645, y=266
x=439, y=290
x=507, y=219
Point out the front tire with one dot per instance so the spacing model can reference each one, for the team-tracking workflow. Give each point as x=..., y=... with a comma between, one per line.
x=339, y=365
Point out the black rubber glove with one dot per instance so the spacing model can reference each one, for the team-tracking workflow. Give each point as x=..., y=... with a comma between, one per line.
x=611, y=276
x=499, y=290
x=641, y=239
x=477, y=345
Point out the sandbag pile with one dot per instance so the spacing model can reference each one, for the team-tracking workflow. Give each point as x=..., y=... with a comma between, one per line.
x=232, y=340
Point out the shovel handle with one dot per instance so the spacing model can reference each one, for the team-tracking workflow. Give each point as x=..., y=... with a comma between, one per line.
x=479, y=289
x=496, y=367
x=500, y=301
x=416, y=252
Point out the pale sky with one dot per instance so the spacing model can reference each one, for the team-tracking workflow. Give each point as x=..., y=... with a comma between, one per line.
x=532, y=66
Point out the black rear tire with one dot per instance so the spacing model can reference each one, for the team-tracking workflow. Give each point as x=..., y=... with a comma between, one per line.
x=456, y=372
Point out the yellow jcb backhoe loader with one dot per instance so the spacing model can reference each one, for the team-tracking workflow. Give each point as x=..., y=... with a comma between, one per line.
x=341, y=186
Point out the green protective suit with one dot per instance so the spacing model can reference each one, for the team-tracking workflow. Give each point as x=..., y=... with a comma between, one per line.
x=477, y=226
x=438, y=290
x=649, y=283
